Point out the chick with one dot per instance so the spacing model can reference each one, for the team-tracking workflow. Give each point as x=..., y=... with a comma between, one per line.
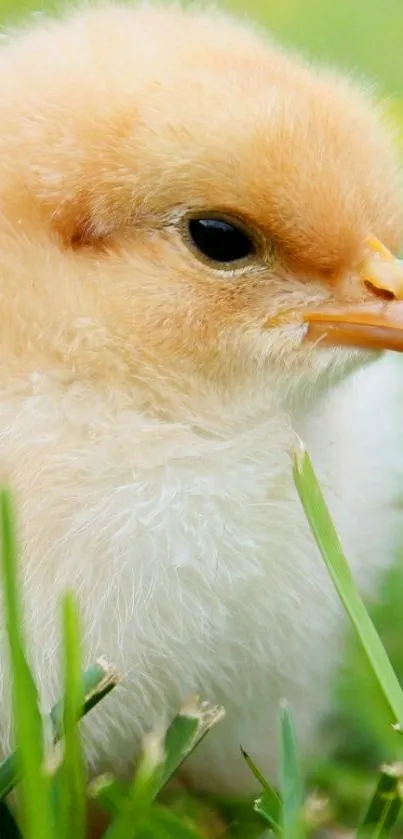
x=197, y=242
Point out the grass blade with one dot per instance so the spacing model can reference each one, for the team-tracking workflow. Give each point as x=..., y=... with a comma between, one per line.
x=136, y=806
x=161, y=758
x=268, y=805
x=9, y=828
x=263, y=806
x=10, y=774
x=385, y=805
x=165, y=824
x=28, y=724
x=108, y=793
x=97, y=682
x=186, y=731
x=70, y=778
x=332, y=552
x=291, y=788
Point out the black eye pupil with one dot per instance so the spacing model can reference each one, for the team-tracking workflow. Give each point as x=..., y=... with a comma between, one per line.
x=219, y=240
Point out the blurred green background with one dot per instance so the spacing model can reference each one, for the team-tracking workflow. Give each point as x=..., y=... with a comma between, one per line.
x=364, y=37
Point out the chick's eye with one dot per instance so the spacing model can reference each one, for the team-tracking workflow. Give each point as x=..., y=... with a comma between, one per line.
x=219, y=240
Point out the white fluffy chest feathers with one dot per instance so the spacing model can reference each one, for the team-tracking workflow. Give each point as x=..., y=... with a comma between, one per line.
x=122, y=507
x=108, y=496
x=190, y=555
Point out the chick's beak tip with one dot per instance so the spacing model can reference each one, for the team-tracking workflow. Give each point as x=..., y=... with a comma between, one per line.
x=374, y=323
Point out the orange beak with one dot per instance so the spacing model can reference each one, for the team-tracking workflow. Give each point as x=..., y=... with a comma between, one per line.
x=374, y=323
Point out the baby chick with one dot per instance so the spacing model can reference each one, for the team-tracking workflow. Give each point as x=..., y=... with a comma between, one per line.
x=197, y=242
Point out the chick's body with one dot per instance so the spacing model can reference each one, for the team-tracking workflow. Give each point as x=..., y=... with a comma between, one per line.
x=149, y=398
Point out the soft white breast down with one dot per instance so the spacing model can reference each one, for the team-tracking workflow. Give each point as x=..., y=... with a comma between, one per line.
x=192, y=560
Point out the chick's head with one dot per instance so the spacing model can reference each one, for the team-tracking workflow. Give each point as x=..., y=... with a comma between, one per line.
x=185, y=204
